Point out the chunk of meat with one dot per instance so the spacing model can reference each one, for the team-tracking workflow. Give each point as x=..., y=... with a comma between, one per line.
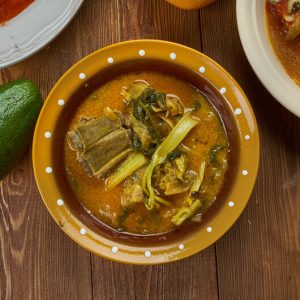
x=106, y=152
x=133, y=191
x=174, y=105
x=181, y=164
x=165, y=179
x=141, y=130
x=132, y=194
x=89, y=132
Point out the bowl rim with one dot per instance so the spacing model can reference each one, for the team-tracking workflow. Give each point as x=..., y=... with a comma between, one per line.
x=47, y=36
x=248, y=135
x=262, y=57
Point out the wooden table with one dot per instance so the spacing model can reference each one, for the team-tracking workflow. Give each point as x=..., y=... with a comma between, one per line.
x=259, y=258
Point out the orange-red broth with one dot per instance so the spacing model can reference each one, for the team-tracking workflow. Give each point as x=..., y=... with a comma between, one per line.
x=106, y=206
x=287, y=51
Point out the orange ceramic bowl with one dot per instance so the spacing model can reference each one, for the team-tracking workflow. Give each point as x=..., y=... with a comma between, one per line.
x=47, y=156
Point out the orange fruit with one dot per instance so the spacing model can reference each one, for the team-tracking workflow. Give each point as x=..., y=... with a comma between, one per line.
x=190, y=4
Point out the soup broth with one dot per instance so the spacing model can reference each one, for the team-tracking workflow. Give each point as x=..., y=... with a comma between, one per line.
x=286, y=45
x=207, y=143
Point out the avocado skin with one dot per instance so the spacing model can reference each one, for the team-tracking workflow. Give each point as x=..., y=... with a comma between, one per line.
x=20, y=104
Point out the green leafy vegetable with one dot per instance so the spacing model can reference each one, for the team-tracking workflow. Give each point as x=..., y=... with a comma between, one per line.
x=157, y=128
x=293, y=5
x=173, y=155
x=150, y=96
x=186, y=212
x=138, y=147
x=161, y=128
x=160, y=100
x=138, y=111
x=197, y=105
x=145, y=97
x=213, y=155
x=176, y=136
x=125, y=212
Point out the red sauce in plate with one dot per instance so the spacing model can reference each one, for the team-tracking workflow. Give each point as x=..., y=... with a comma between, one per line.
x=11, y=8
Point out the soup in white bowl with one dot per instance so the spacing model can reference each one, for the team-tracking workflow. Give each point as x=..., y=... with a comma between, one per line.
x=254, y=33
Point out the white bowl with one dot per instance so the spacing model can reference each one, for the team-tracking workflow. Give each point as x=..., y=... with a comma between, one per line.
x=251, y=19
x=34, y=28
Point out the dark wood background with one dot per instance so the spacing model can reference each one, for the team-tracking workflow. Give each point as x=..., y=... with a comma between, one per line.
x=259, y=258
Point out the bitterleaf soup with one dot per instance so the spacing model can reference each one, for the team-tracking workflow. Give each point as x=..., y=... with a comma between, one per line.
x=146, y=153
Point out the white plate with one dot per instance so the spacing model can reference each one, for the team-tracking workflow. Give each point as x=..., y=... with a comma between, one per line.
x=34, y=28
x=251, y=20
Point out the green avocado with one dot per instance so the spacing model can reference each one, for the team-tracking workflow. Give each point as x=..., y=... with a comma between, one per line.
x=20, y=104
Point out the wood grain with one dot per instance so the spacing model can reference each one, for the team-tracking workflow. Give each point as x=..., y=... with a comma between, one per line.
x=188, y=279
x=258, y=259
x=37, y=260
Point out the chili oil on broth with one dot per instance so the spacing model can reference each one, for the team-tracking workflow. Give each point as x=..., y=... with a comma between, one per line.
x=287, y=51
x=106, y=206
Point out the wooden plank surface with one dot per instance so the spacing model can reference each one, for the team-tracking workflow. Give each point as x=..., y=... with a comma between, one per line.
x=37, y=261
x=258, y=259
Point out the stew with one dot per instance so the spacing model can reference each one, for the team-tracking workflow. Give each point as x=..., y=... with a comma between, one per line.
x=145, y=153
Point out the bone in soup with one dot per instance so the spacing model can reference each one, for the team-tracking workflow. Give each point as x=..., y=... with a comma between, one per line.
x=146, y=153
